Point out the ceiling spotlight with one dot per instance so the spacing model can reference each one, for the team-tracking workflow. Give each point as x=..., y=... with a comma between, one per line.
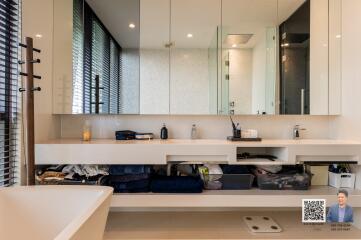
x=234, y=45
x=338, y=36
x=189, y=35
x=131, y=25
x=38, y=36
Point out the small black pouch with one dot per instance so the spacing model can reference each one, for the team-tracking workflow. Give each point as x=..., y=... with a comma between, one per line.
x=125, y=135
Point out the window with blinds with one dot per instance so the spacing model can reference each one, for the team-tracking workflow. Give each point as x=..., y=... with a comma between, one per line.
x=9, y=55
x=95, y=53
x=78, y=53
x=114, y=78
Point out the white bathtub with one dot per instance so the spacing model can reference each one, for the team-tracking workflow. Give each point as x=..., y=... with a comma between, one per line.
x=54, y=212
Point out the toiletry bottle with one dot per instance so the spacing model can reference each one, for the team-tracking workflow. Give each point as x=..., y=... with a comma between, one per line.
x=164, y=132
x=194, y=132
x=86, y=131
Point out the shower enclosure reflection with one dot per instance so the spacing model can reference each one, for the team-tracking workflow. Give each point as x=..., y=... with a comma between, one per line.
x=265, y=57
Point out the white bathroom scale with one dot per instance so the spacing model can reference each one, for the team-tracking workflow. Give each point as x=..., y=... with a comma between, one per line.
x=261, y=224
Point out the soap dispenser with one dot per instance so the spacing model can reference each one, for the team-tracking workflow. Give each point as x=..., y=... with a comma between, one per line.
x=194, y=132
x=164, y=132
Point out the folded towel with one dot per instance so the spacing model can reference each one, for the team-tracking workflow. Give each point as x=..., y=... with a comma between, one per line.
x=129, y=177
x=129, y=169
x=129, y=185
x=136, y=190
x=176, y=184
x=141, y=185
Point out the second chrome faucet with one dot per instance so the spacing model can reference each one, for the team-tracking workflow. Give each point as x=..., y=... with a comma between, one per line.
x=296, y=131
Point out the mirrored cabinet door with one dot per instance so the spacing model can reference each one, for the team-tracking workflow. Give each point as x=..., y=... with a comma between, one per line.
x=154, y=56
x=64, y=91
x=295, y=53
x=335, y=56
x=104, y=38
x=194, y=56
x=249, y=53
x=197, y=57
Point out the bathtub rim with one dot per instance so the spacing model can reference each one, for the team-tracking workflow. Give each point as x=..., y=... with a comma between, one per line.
x=75, y=224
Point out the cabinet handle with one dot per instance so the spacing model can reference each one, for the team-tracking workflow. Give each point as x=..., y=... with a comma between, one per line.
x=302, y=101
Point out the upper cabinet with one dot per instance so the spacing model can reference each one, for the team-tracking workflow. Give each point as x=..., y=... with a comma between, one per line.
x=154, y=56
x=102, y=43
x=249, y=57
x=193, y=56
x=204, y=57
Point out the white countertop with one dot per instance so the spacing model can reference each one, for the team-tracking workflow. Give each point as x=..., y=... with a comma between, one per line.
x=157, y=151
x=265, y=142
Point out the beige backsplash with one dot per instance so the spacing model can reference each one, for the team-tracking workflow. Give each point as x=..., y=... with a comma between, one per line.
x=213, y=127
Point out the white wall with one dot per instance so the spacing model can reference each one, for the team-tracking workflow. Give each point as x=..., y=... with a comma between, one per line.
x=38, y=19
x=214, y=127
x=154, y=81
x=129, y=84
x=259, y=76
x=189, y=81
x=348, y=125
x=319, y=57
x=240, y=80
x=187, y=91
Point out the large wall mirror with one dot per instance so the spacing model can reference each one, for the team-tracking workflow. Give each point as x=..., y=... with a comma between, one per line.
x=201, y=57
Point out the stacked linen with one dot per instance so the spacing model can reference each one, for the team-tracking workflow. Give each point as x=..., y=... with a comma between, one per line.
x=128, y=178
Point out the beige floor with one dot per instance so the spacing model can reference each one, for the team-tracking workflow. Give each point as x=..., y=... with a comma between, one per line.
x=213, y=225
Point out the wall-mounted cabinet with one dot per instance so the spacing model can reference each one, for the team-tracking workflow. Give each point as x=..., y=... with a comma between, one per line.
x=203, y=57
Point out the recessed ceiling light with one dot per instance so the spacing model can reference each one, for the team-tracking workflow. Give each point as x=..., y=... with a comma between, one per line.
x=234, y=45
x=131, y=25
x=338, y=36
x=189, y=35
x=38, y=35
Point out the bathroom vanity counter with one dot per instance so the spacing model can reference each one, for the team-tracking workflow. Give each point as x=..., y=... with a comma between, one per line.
x=157, y=152
x=108, y=151
x=264, y=142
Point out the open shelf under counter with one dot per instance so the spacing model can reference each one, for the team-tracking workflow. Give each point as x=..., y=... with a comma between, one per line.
x=108, y=151
x=233, y=198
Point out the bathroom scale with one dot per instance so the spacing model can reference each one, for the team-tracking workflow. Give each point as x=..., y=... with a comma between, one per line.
x=261, y=224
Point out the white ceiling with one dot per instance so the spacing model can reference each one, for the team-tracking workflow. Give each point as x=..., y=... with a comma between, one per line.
x=199, y=17
x=254, y=16
x=116, y=16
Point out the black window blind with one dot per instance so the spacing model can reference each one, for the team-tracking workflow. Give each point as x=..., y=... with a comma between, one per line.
x=101, y=57
x=9, y=81
x=114, y=78
x=78, y=53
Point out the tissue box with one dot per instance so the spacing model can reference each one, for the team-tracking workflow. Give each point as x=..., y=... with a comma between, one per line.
x=249, y=133
x=341, y=180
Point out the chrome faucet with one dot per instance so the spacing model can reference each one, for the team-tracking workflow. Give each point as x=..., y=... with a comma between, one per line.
x=296, y=131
